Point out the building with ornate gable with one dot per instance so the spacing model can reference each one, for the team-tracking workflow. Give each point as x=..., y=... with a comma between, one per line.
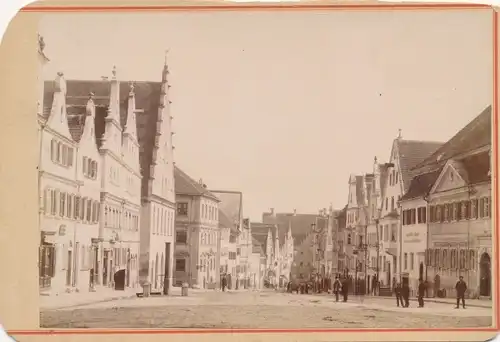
x=114, y=149
x=405, y=154
x=447, y=227
x=158, y=193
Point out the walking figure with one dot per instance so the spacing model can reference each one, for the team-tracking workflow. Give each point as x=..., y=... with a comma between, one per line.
x=345, y=289
x=405, y=293
x=421, y=293
x=460, y=287
x=399, y=299
x=336, y=288
x=224, y=283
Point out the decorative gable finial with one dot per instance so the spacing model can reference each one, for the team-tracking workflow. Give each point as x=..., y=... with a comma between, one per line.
x=132, y=89
x=60, y=83
x=113, y=72
x=375, y=160
x=90, y=109
x=165, y=67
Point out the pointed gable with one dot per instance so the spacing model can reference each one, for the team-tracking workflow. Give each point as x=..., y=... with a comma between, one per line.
x=449, y=178
x=57, y=118
x=130, y=126
x=185, y=185
x=411, y=153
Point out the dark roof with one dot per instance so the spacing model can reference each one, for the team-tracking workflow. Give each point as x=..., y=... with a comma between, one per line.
x=231, y=203
x=147, y=98
x=185, y=185
x=259, y=233
x=76, y=124
x=474, y=135
x=411, y=153
x=473, y=169
x=257, y=247
x=421, y=184
x=301, y=225
x=342, y=218
x=476, y=168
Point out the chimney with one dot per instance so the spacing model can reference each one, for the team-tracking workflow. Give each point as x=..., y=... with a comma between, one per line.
x=272, y=211
x=200, y=181
x=294, y=212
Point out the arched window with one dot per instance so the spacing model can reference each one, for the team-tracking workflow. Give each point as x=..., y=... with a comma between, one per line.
x=436, y=258
x=349, y=238
x=445, y=259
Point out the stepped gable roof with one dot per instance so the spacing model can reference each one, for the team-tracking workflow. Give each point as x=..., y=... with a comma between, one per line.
x=474, y=135
x=147, y=98
x=411, y=153
x=300, y=223
x=185, y=185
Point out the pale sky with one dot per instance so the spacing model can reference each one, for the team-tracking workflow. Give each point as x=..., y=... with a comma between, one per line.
x=284, y=106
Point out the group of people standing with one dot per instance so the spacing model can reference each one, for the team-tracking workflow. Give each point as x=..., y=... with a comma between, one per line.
x=403, y=293
x=341, y=286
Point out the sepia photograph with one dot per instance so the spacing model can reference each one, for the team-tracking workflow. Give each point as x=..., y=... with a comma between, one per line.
x=241, y=170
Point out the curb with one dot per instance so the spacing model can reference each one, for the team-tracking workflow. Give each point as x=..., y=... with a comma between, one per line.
x=432, y=300
x=88, y=303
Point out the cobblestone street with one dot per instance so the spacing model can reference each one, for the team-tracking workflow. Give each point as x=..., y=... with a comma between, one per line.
x=249, y=309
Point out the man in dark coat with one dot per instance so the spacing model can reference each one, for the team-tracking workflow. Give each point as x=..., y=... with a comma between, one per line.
x=345, y=288
x=460, y=287
x=224, y=282
x=399, y=299
x=405, y=293
x=337, y=285
x=421, y=293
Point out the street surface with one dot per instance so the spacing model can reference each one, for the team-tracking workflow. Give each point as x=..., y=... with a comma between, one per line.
x=265, y=309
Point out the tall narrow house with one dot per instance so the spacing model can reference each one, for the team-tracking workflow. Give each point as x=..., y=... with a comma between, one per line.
x=158, y=194
x=120, y=193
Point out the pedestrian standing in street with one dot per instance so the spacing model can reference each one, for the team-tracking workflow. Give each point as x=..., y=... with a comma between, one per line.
x=345, y=289
x=405, y=293
x=336, y=288
x=421, y=293
x=399, y=298
x=224, y=282
x=460, y=287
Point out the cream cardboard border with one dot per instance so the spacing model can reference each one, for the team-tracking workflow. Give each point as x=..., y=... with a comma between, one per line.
x=19, y=235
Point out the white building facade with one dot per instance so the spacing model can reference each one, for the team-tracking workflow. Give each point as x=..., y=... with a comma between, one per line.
x=158, y=198
x=120, y=196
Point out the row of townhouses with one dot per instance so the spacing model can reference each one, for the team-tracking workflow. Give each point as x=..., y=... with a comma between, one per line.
x=424, y=214
x=115, y=210
x=106, y=185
